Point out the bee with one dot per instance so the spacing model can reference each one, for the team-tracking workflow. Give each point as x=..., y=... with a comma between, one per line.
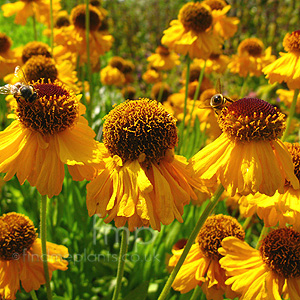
x=21, y=89
x=217, y=101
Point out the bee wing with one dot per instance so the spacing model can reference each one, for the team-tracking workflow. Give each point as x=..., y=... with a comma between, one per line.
x=6, y=89
x=205, y=103
x=19, y=73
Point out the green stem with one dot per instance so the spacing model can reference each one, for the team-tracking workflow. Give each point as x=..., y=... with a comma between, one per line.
x=243, y=87
x=34, y=27
x=247, y=222
x=209, y=208
x=182, y=125
x=33, y=295
x=160, y=93
x=196, y=293
x=263, y=233
x=43, y=233
x=88, y=64
x=197, y=92
x=51, y=27
x=291, y=115
x=121, y=263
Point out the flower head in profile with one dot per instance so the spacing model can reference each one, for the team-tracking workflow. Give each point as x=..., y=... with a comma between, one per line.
x=112, y=76
x=73, y=37
x=216, y=63
x=224, y=26
x=8, y=58
x=248, y=156
x=40, y=9
x=48, y=132
x=280, y=208
x=21, y=261
x=141, y=181
x=201, y=266
x=286, y=67
x=272, y=272
x=192, y=32
x=252, y=57
x=163, y=59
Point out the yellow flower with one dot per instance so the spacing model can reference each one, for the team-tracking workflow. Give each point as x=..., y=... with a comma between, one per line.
x=272, y=272
x=191, y=34
x=9, y=58
x=152, y=76
x=224, y=26
x=73, y=37
x=49, y=131
x=112, y=76
x=141, y=181
x=286, y=68
x=251, y=58
x=21, y=256
x=280, y=208
x=216, y=63
x=286, y=96
x=248, y=157
x=163, y=59
x=40, y=9
x=160, y=91
x=201, y=266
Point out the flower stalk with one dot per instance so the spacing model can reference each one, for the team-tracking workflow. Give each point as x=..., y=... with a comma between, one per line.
x=209, y=208
x=121, y=263
x=291, y=114
x=43, y=233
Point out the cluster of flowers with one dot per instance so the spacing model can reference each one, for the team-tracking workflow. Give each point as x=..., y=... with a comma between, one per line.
x=136, y=179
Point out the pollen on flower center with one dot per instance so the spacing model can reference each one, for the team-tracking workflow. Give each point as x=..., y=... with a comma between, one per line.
x=78, y=17
x=139, y=127
x=40, y=66
x=5, y=43
x=17, y=234
x=252, y=46
x=280, y=250
x=251, y=119
x=195, y=16
x=214, y=230
x=54, y=110
x=291, y=42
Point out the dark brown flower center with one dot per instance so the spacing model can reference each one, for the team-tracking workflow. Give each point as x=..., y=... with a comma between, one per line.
x=252, y=46
x=40, y=66
x=17, y=234
x=139, y=127
x=280, y=251
x=251, y=119
x=291, y=42
x=163, y=51
x=214, y=230
x=294, y=149
x=35, y=48
x=195, y=16
x=117, y=62
x=78, y=17
x=54, y=110
x=5, y=43
x=215, y=4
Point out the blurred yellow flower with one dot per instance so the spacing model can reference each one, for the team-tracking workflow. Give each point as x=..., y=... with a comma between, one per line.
x=216, y=63
x=286, y=68
x=39, y=9
x=141, y=181
x=251, y=58
x=163, y=59
x=224, y=26
x=21, y=259
x=201, y=266
x=272, y=272
x=248, y=157
x=286, y=96
x=112, y=76
x=152, y=76
x=192, y=33
x=49, y=132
